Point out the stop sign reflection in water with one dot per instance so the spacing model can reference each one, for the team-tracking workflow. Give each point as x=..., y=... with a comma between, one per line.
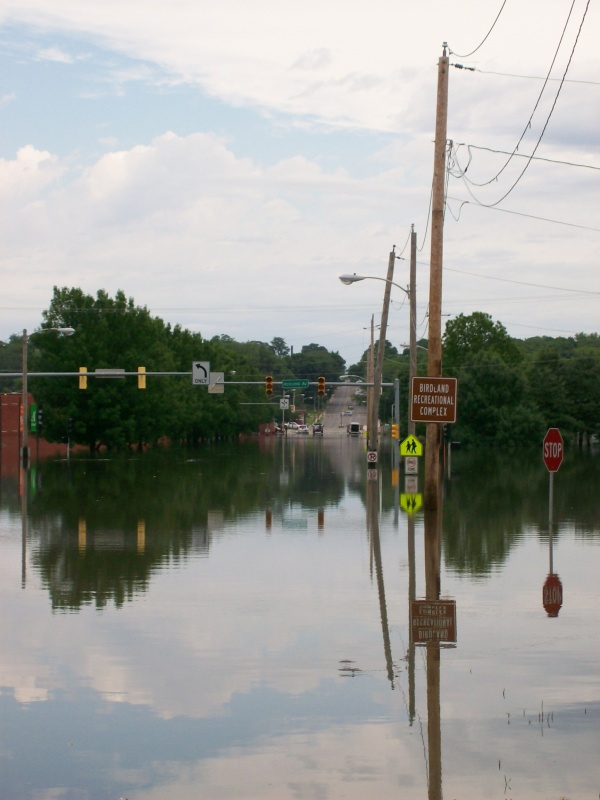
x=553, y=449
x=552, y=595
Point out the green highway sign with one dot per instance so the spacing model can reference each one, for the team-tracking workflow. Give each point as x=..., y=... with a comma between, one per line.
x=294, y=383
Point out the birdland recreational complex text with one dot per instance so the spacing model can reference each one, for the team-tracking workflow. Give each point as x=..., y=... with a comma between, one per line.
x=433, y=400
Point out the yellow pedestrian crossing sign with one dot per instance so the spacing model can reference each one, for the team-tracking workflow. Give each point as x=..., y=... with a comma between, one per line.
x=411, y=446
x=411, y=503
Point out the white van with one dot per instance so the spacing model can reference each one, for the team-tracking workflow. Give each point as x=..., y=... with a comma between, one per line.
x=353, y=429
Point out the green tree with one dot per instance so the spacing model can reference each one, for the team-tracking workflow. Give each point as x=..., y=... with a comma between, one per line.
x=581, y=375
x=466, y=336
x=11, y=360
x=280, y=347
x=196, y=415
x=110, y=333
x=493, y=405
x=315, y=360
x=548, y=388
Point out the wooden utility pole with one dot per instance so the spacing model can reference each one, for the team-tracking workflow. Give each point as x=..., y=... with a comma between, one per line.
x=377, y=378
x=370, y=374
x=434, y=360
x=412, y=297
x=373, y=433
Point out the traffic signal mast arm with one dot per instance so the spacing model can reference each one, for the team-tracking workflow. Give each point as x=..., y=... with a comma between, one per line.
x=83, y=373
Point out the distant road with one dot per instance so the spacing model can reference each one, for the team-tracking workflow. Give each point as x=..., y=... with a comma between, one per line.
x=342, y=397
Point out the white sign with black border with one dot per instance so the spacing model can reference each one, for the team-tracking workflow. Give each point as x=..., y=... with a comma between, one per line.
x=201, y=373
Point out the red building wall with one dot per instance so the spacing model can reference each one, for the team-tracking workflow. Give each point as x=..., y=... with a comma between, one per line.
x=10, y=437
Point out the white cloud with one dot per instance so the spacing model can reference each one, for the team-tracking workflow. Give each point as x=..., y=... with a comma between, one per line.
x=187, y=222
x=55, y=54
x=27, y=176
x=366, y=53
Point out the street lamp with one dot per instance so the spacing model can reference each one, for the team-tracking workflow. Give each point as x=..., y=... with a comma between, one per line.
x=24, y=409
x=372, y=433
x=347, y=280
x=410, y=292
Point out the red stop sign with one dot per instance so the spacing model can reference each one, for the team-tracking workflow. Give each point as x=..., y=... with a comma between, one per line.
x=553, y=449
x=552, y=595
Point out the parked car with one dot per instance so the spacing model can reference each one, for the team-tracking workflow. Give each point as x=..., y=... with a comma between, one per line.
x=302, y=429
x=318, y=428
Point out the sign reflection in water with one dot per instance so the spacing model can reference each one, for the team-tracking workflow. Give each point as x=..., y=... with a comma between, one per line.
x=236, y=622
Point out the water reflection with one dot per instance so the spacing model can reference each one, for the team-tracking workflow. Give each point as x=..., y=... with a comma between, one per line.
x=104, y=527
x=239, y=624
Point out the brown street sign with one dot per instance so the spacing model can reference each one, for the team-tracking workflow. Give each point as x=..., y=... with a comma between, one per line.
x=433, y=400
x=433, y=621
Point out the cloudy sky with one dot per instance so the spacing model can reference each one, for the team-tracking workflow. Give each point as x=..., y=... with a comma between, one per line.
x=222, y=163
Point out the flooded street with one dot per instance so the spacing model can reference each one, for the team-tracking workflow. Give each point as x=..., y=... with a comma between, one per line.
x=235, y=622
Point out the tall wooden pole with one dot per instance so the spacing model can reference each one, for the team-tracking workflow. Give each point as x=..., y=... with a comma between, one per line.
x=374, y=422
x=24, y=406
x=412, y=297
x=370, y=372
x=434, y=348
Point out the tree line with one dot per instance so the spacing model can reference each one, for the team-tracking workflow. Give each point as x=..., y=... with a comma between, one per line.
x=510, y=391
x=114, y=332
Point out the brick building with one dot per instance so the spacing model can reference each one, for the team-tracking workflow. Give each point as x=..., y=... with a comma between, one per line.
x=10, y=436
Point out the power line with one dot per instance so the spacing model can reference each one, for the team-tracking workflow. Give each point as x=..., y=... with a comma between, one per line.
x=466, y=55
x=523, y=283
x=523, y=155
x=491, y=207
x=537, y=102
x=516, y=182
x=528, y=77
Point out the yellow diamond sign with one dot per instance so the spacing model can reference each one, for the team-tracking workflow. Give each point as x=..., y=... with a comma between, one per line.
x=411, y=503
x=411, y=446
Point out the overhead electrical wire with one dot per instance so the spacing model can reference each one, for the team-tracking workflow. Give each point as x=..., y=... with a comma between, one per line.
x=428, y=219
x=541, y=136
x=466, y=55
x=537, y=102
x=528, y=77
x=523, y=155
x=492, y=207
x=405, y=245
x=522, y=283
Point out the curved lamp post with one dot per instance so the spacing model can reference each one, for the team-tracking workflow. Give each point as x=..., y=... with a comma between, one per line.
x=349, y=279
x=24, y=409
x=372, y=433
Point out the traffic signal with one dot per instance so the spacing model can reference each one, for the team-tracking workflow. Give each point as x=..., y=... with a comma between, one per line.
x=268, y=386
x=70, y=423
x=39, y=417
x=321, y=386
x=141, y=377
x=395, y=430
x=82, y=378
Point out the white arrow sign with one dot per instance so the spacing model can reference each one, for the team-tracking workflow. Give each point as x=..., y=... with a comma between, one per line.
x=201, y=373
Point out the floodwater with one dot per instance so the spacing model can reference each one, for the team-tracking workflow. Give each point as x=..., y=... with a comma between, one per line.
x=235, y=622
